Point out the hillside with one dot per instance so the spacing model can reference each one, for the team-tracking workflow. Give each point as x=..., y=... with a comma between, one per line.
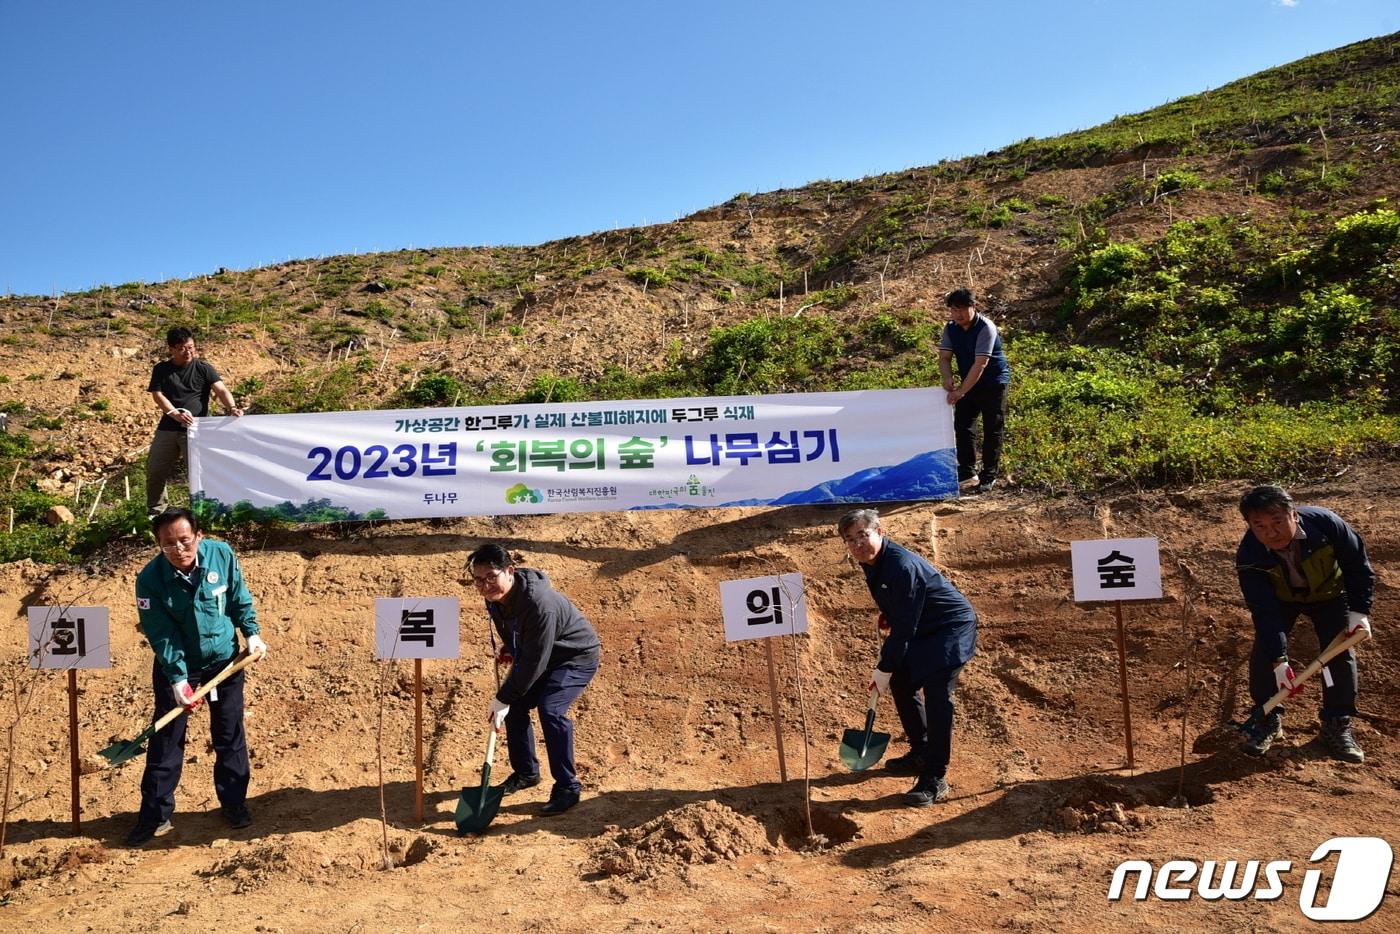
x=1156, y=277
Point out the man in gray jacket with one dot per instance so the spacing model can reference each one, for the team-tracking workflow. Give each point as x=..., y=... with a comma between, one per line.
x=554, y=654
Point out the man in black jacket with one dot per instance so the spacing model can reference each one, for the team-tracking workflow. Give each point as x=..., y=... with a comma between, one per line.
x=932, y=634
x=554, y=654
x=1296, y=561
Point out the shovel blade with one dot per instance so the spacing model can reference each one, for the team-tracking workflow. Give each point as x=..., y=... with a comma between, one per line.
x=860, y=749
x=117, y=753
x=477, y=807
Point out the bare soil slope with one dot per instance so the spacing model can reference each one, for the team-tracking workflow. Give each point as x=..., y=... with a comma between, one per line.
x=684, y=824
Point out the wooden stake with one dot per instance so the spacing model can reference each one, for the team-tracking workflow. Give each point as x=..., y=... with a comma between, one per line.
x=1123, y=681
x=418, y=738
x=74, y=770
x=777, y=719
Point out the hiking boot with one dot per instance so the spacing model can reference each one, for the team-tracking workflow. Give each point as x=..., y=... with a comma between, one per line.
x=145, y=831
x=1336, y=736
x=559, y=802
x=926, y=792
x=237, y=816
x=1262, y=735
x=985, y=486
x=518, y=782
x=911, y=763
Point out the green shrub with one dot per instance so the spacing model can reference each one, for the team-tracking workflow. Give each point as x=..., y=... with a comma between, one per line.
x=434, y=389
x=550, y=388
x=772, y=355
x=1177, y=180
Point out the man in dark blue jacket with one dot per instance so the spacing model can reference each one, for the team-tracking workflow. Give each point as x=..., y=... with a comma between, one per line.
x=932, y=634
x=554, y=654
x=1296, y=561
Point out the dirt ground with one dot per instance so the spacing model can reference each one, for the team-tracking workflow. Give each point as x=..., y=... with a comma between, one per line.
x=685, y=824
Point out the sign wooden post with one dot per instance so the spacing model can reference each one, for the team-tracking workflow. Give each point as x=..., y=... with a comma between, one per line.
x=74, y=770
x=763, y=608
x=417, y=628
x=1118, y=569
x=1123, y=681
x=69, y=638
x=418, y=739
x=777, y=718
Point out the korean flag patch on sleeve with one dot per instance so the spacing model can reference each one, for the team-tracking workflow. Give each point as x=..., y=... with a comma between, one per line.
x=143, y=603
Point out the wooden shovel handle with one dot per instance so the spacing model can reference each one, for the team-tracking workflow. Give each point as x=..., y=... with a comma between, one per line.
x=233, y=667
x=1334, y=648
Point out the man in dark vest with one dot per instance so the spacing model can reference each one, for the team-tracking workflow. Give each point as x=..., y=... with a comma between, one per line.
x=980, y=392
x=1295, y=561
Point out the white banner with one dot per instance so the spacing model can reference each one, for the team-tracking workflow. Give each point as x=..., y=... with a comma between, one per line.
x=416, y=627
x=830, y=447
x=1116, y=569
x=763, y=607
x=69, y=637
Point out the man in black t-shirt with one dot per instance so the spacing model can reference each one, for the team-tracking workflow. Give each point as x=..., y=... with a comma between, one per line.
x=181, y=387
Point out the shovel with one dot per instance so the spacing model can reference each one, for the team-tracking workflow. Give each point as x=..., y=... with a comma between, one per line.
x=119, y=752
x=860, y=749
x=477, y=807
x=1336, y=647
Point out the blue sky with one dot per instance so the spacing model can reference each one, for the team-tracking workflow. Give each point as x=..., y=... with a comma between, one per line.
x=148, y=140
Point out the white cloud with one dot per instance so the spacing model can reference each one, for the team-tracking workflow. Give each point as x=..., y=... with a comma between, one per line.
x=1289, y=3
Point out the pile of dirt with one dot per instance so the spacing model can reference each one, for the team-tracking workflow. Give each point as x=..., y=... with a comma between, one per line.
x=255, y=867
x=702, y=832
x=42, y=863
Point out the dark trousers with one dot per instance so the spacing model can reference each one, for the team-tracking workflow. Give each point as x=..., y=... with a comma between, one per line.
x=987, y=402
x=1328, y=619
x=166, y=753
x=928, y=720
x=552, y=695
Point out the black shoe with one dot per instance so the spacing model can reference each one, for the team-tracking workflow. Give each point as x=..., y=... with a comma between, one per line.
x=927, y=792
x=144, y=832
x=911, y=763
x=237, y=817
x=559, y=802
x=1336, y=736
x=518, y=782
x=1259, y=739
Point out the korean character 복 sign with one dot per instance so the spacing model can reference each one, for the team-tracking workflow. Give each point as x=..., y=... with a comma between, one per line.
x=69, y=637
x=1116, y=569
x=761, y=607
x=416, y=627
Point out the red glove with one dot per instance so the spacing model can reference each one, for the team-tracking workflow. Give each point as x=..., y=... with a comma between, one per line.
x=184, y=695
x=503, y=657
x=882, y=625
x=1284, y=678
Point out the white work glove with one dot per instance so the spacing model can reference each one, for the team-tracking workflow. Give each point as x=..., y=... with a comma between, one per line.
x=497, y=715
x=256, y=646
x=1284, y=678
x=184, y=695
x=1358, y=622
x=879, y=681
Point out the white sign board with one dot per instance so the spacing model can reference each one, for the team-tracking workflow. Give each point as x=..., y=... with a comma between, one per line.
x=1116, y=569
x=762, y=607
x=69, y=637
x=416, y=627
x=774, y=450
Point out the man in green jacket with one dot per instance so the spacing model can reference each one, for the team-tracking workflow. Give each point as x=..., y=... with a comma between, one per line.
x=192, y=602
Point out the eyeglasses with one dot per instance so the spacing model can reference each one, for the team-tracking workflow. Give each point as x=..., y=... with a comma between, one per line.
x=180, y=544
x=482, y=580
x=853, y=538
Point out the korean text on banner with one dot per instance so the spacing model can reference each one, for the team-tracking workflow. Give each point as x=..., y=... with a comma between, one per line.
x=869, y=446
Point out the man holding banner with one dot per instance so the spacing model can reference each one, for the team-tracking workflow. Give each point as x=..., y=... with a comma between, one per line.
x=192, y=602
x=932, y=635
x=554, y=652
